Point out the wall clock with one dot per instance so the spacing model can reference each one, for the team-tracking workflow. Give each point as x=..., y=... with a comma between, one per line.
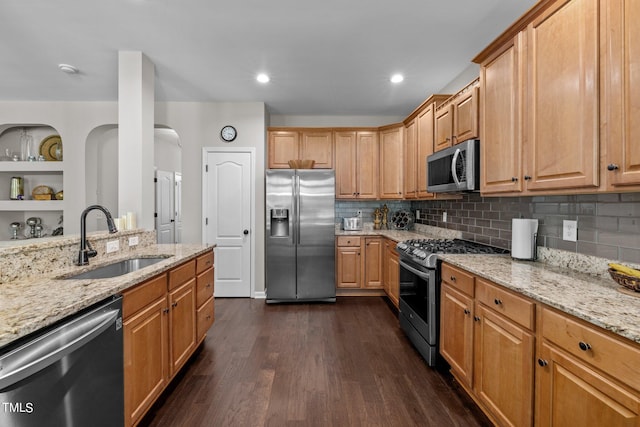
x=228, y=133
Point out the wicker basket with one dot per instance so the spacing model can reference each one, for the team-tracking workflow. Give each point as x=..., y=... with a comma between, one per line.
x=629, y=282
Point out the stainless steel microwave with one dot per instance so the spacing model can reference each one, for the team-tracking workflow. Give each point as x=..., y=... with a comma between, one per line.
x=455, y=169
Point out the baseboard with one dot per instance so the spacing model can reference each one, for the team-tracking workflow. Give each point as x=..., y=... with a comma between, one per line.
x=260, y=295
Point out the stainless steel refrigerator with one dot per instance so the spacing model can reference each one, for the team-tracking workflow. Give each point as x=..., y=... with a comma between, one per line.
x=300, y=229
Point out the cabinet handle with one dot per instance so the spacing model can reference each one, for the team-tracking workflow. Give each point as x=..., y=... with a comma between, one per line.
x=208, y=285
x=476, y=318
x=527, y=177
x=174, y=305
x=467, y=311
x=453, y=278
x=584, y=346
x=542, y=362
x=165, y=310
x=514, y=179
x=497, y=301
x=612, y=167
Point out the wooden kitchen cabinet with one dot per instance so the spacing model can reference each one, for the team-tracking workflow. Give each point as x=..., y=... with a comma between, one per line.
x=160, y=325
x=487, y=336
x=620, y=95
x=373, y=249
x=391, y=272
x=308, y=144
x=540, y=134
x=457, y=120
x=410, y=152
x=419, y=127
x=391, y=162
x=204, y=294
x=359, y=262
x=348, y=262
x=585, y=376
x=357, y=154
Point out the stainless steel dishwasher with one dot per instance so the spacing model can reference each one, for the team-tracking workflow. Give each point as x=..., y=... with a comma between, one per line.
x=68, y=375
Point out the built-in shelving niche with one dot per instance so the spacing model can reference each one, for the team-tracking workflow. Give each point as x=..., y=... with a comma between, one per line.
x=34, y=173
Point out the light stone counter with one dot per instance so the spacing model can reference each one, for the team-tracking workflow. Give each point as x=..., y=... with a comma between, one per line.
x=31, y=303
x=594, y=299
x=419, y=232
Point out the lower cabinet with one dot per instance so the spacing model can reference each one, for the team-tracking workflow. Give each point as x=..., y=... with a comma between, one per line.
x=525, y=363
x=391, y=272
x=162, y=328
x=359, y=262
x=486, y=334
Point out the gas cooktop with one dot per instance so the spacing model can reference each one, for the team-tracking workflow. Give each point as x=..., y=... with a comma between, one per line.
x=424, y=251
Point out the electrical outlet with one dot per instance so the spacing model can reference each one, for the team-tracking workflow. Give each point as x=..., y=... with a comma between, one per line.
x=358, y=213
x=113, y=246
x=133, y=240
x=570, y=230
x=444, y=217
x=417, y=213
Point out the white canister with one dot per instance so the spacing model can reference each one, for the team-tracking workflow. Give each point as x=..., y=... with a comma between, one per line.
x=524, y=233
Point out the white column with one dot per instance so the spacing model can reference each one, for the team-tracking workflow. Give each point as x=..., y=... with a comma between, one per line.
x=136, y=101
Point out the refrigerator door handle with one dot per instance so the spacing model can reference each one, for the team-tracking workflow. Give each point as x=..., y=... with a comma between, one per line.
x=297, y=193
x=294, y=215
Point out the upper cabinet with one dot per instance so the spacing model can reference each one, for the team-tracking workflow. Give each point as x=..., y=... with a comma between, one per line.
x=391, y=162
x=356, y=164
x=307, y=144
x=544, y=84
x=456, y=120
x=620, y=92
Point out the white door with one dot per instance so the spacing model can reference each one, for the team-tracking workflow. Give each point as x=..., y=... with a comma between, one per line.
x=228, y=194
x=177, y=204
x=164, y=207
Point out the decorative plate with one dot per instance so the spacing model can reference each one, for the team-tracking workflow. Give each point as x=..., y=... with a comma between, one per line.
x=51, y=148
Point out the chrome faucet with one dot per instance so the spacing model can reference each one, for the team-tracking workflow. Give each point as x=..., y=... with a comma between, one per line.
x=86, y=251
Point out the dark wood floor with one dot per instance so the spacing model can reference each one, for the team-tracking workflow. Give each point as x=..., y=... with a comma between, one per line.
x=343, y=364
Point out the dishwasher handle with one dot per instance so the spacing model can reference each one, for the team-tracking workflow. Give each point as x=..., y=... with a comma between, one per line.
x=49, y=348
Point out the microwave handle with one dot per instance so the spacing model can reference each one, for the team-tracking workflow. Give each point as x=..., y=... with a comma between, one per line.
x=453, y=167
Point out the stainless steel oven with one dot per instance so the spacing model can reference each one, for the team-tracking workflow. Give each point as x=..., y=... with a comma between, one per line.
x=420, y=288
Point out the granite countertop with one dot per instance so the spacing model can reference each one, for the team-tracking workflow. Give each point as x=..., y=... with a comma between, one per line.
x=419, y=232
x=30, y=304
x=594, y=299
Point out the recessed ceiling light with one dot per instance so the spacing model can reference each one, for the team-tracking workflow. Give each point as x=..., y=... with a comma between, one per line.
x=263, y=78
x=397, y=78
x=69, y=69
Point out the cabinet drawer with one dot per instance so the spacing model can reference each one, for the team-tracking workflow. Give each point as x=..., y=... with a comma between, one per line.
x=204, y=287
x=516, y=308
x=610, y=354
x=182, y=274
x=458, y=279
x=205, y=318
x=203, y=262
x=143, y=294
x=348, y=241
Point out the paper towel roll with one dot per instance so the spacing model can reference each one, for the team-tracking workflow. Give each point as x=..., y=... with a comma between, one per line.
x=523, y=238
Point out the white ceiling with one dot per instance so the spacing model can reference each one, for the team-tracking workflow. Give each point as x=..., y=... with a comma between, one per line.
x=327, y=57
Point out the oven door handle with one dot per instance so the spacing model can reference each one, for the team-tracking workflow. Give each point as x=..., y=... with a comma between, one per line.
x=414, y=270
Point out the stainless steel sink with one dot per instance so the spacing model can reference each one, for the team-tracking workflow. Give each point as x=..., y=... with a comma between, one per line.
x=117, y=268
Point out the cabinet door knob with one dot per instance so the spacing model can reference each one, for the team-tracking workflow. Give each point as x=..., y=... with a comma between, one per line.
x=165, y=310
x=612, y=167
x=476, y=318
x=584, y=346
x=453, y=278
x=542, y=362
x=527, y=177
x=514, y=179
x=174, y=305
x=467, y=311
x=497, y=301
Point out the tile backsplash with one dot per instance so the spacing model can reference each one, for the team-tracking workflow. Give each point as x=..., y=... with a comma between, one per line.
x=608, y=224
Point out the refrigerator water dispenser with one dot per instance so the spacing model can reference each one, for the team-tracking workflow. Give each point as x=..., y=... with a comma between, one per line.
x=279, y=222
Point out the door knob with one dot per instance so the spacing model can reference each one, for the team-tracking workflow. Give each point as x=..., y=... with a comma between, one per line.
x=245, y=232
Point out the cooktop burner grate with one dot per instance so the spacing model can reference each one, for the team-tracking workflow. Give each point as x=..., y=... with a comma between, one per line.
x=422, y=251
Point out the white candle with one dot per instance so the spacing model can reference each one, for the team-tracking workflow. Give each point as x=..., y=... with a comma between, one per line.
x=131, y=221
